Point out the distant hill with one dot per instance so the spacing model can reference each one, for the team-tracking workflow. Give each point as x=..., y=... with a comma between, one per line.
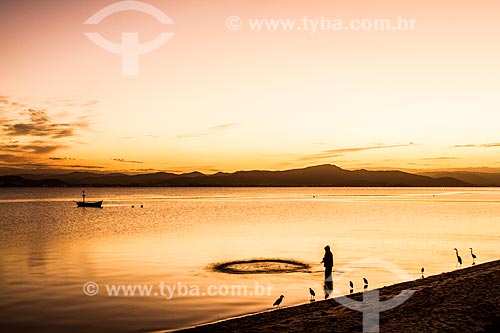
x=18, y=181
x=476, y=178
x=321, y=175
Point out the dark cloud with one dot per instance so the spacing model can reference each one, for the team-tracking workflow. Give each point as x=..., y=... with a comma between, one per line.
x=35, y=147
x=125, y=161
x=15, y=161
x=62, y=159
x=12, y=158
x=41, y=149
x=27, y=134
x=84, y=166
x=38, y=125
x=207, y=131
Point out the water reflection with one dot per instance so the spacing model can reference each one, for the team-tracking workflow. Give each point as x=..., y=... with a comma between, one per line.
x=49, y=248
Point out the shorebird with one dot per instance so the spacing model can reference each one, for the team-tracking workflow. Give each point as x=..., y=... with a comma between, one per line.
x=422, y=270
x=313, y=294
x=473, y=256
x=458, y=258
x=278, y=301
x=352, y=287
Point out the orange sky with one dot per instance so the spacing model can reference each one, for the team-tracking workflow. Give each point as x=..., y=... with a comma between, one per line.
x=216, y=99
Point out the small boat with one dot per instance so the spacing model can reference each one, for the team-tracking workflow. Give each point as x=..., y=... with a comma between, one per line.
x=95, y=204
x=83, y=203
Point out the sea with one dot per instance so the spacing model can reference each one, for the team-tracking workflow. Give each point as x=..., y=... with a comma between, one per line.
x=147, y=260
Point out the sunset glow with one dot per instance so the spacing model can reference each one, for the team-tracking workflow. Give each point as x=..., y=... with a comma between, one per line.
x=215, y=99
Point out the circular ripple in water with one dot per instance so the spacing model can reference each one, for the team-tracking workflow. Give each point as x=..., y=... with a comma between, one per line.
x=261, y=266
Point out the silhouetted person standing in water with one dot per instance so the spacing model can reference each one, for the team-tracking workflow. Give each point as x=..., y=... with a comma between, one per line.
x=328, y=263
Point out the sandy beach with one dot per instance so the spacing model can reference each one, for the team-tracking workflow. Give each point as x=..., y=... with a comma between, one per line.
x=464, y=300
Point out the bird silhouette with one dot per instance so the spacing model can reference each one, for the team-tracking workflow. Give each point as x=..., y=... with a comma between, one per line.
x=278, y=301
x=422, y=270
x=352, y=286
x=458, y=257
x=313, y=294
x=473, y=256
x=366, y=283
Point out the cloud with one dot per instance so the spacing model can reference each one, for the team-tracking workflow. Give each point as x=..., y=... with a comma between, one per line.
x=90, y=103
x=32, y=132
x=465, y=146
x=144, y=170
x=84, y=166
x=483, y=145
x=125, y=161
x=331, y=153
x=35, y=147
x=489, y=145
x=152, y=136
x=41, y=149
x=440, y=158
x=207, y=131
x=419, y=164
x=191, y=168
x=12, y=158
x=39, y=124
x=62, y=159
x=19, y=162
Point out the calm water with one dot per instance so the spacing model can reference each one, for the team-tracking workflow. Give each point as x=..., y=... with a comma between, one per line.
x=50, y=248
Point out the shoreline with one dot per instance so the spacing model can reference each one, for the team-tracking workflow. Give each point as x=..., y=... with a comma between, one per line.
x=466, y=299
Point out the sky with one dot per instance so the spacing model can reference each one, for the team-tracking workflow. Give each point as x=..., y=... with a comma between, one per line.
x=222, y=95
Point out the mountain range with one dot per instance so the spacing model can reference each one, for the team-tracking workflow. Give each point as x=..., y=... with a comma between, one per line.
x=320, y=175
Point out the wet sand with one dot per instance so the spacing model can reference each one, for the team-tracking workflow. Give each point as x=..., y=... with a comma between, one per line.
x=465, y=300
